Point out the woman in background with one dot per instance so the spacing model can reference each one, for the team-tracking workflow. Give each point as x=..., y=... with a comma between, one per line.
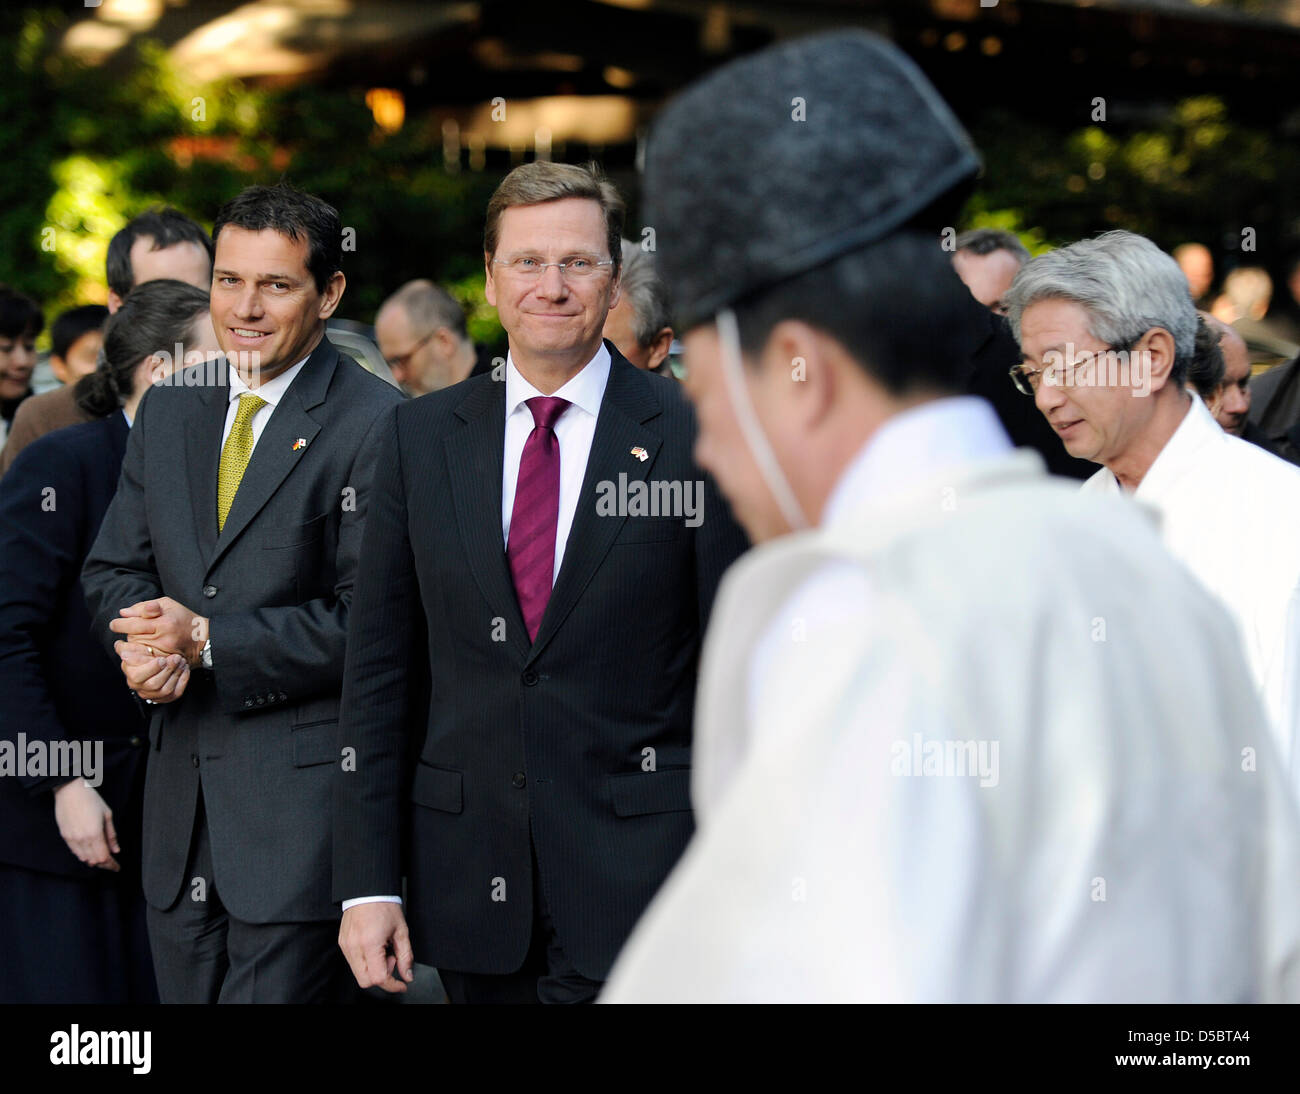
x=72, y=925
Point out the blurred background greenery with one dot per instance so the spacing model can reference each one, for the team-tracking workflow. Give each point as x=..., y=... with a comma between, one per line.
x=91, y=138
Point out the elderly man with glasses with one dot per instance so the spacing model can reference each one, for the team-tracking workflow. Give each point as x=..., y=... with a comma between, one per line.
x=1107, y=332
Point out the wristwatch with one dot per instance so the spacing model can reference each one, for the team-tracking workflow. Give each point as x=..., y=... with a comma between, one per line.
x=205, y=657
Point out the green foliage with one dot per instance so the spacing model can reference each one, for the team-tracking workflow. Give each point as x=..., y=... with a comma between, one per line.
x=87, y=149
x=1194, y=176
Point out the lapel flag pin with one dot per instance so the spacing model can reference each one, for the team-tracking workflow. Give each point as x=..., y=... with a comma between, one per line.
x=301, y=442
x=640, y=453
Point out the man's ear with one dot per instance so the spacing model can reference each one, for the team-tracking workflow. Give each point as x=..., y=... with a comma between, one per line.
x=333, y=294
x=659, y=348
x=59, y=367
x=795, y=358
x=1158, y=343
x=489, y=286
x=114, y=302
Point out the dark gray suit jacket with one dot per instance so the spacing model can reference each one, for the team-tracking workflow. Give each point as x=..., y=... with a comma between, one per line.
x=257, y=734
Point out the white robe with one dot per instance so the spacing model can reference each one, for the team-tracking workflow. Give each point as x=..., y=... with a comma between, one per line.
x=1230, y=511
x=1134, y=840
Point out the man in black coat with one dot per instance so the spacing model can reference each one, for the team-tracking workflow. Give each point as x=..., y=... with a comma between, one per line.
x=544, y=552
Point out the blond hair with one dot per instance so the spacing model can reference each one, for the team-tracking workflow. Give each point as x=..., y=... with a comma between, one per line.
x=542, y=181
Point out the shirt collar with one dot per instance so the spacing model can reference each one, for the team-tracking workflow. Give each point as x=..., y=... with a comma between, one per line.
x=914, y=446
x=585, y=390
x=1182, y=451
x=272, y=391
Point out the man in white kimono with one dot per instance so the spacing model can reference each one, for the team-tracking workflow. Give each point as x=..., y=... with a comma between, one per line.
x=1106, y=327
x=959, y=735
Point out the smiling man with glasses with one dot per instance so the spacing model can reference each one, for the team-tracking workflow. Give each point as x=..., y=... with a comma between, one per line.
x=557, y=639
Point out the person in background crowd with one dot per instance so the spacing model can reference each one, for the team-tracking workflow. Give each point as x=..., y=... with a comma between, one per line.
x=987, y=259
x=1229, y=510
x=1274, y=412
x=640, y=324
x=1197, y=265
x=21, y=321
x=72, y=921
x=75, y=338
x=1230, y=402
x=1206, y=368
x=880, y=640
x=422, y=334
x=224, y=570
x=162, y=243
x=1244, y=304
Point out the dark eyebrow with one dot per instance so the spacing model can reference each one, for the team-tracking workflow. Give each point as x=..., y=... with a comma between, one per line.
x=261, y=277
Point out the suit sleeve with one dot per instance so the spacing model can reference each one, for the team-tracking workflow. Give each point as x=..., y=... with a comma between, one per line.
x=301, y=645
x=42, y=508
x=373, y=718
x=120, y=569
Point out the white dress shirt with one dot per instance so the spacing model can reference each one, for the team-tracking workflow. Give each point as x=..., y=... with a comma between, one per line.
x=272, y=392
x=574, y=430
x=1230, y=511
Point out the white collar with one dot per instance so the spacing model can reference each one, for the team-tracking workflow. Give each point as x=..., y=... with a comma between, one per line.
x=585, y=390
x=270, y=392
x=1185, y=450
x=914, y=446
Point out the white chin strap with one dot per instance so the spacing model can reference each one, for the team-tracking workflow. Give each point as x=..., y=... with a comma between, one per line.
x=733, y=369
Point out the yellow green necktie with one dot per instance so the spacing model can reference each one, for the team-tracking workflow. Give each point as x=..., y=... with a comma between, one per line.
x=235, y=455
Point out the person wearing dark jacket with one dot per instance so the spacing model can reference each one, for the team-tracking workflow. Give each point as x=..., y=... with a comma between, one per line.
x=72, y=925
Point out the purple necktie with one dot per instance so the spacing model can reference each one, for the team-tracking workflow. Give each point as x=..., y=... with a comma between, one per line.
x=531, y=546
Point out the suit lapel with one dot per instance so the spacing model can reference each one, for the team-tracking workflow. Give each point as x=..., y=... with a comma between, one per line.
x=628, y=404
x=475, y=455
x=277, y=452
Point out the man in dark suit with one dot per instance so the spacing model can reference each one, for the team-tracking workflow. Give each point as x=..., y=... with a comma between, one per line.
x=545, y=552
x=243, y=491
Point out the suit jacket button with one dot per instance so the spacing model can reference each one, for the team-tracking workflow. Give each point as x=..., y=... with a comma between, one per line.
x=209, y=591
x=518, y=782
x=135, y=742
x=530, y=678
x=260, y=700
x=194, y=760
x=248, y=700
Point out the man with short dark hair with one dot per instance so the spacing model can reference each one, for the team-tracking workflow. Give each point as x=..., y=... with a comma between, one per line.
x=224, y=570
x=541, y=555
x=156, y=244
x=986, y=259
x=422, y=334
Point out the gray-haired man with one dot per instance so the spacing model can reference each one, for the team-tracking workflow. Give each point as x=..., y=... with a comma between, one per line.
x=1107, y=331
x=640, y=324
